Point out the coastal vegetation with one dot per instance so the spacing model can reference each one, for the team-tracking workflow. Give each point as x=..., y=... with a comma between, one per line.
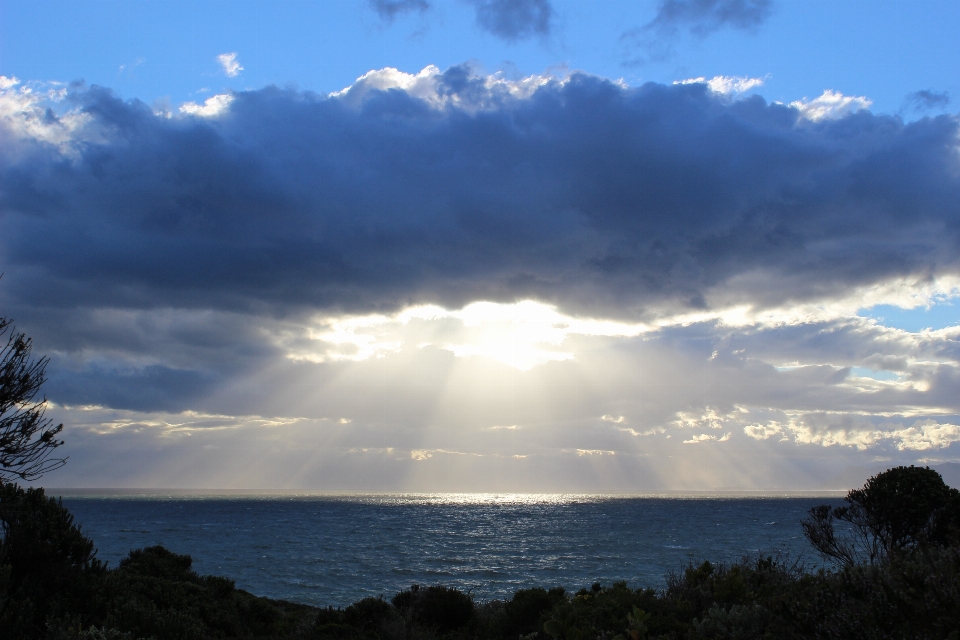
x=895, y=574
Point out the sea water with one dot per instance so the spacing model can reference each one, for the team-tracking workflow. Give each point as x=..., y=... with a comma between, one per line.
x=329, y=550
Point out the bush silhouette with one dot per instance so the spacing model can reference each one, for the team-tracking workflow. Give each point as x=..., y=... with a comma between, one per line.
x=47, y=565
x=897, y=511
x=442, y=608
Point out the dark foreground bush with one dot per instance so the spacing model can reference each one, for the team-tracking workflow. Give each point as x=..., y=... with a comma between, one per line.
x=52, y=586
x=47, y=566
x=439, y=608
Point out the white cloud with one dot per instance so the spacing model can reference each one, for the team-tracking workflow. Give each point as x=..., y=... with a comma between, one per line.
x=104, y=420
x=231, y=66
x=703, y=437
x=26, y=110
x=424, y=454
x=762, y=431
x=926, y=434
x=427, y=84
x=613, y=419
x=637, y=434
x=710, y=418
x=726, y=85
x=830, y=105
x=211, y=107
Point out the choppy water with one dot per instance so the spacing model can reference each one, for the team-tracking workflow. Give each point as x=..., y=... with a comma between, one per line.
x=335, y=550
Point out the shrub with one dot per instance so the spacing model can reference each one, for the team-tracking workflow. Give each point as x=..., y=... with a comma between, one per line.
x=523, y=613
x=895, y=512
x=47, y=566
x=439, y=607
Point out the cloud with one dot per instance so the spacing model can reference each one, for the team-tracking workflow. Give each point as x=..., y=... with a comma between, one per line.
x=457, y=87
x=927, y=99
x=761, y=431
x=925, y=435
x=726, y=85
x=427, y=400
x=514, y=19
x=432, y=253
x=27, y=113
x=698, y=18
x=231, y=66
x=507, y=191
x=830, y=105
x=389, y=10
x=702, y=17
x=211, y=107
x=704, y=437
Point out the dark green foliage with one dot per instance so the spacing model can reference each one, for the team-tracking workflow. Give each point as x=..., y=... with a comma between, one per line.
x=372, y=616
x=336, y=631
x=47, y=566
x=52, y=585
x=523, y=614
x=916, y=596
x=895, y=512
x=155, y=593
x=437, y=607
x=739, y=622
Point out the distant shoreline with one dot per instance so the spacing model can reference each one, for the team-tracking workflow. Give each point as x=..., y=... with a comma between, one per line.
x=438, y=497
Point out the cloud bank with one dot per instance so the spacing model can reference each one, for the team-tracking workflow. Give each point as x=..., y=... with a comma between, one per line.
x=391, y=274
x=447, y=188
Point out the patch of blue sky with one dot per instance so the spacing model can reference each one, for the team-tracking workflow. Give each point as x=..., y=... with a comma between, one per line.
x=863, y=372
x=939, y=316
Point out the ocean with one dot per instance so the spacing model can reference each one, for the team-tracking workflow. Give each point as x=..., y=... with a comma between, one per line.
x=335, y=550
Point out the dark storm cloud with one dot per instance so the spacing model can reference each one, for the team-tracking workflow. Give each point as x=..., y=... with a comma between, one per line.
x=603, y=199
x=389, y=10
x=151, y=388
x=514, y=19
x=928, y=99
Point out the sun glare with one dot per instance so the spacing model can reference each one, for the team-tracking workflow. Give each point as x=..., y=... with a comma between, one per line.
x=528, y=333
x=522, y=334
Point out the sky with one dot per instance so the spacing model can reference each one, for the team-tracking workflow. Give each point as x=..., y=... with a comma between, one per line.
x=485, y=245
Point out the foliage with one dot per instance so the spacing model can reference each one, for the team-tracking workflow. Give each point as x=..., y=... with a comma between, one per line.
x=436, y=607
x=52, y=585
x=27, y=438
x=46, y=564
x=897, y=511
x=912, y=596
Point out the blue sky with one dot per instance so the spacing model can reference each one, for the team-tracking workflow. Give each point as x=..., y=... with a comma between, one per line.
x=167, y=49
x=491, y=245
